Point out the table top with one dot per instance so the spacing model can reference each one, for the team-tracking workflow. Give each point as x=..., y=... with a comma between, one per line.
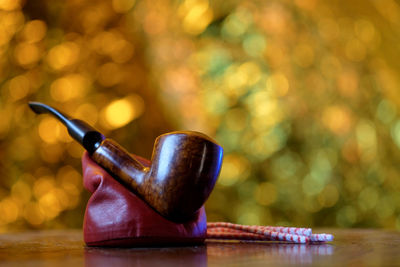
x=66, y=248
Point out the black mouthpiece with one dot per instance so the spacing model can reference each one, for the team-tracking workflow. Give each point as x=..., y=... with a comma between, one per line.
x=82, y=132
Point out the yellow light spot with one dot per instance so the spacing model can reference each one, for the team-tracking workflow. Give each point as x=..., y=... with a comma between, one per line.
x=33, y=214
x=9, y=5
x=42, y=186
x=235, y=168
x=113, y=44
x=49, y=130
x=69, y=87
x=266, y=193
x=236, y=79
x=104, y=42
x=19, y=87
x=49, y=205
x=337, y=119
x=63, y=55
x=122, y=6
x=278, y=84
x=251, y=71
x=26, y=54
x=9, y=210
x=10, y=23
x=34, y=31
x=120, y=112
x=62, y=198
x=197, y=15
x=265, y=110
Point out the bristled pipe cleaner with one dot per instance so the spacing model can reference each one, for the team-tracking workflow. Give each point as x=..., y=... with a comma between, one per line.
x=224, y=230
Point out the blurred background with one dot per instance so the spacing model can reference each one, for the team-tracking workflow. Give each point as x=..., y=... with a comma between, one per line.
x=303, y=95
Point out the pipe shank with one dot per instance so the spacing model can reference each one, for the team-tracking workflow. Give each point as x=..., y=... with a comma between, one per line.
x=120, y=164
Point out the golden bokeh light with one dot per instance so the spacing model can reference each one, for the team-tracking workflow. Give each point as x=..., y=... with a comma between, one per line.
x=34, y=31
x=337, y=119
x=196, y=14
x=69, y=87
x=49, y=130
x=27, y=54
x=9, y=5
x=49, y=204
x=9, y=210
x=63, y=55
x=33, y=214
x=303, y=96
x=42, y=186
x=235, y=169
x=107, y=42
x=19, y=87
x=278, y=84
x=122, y=111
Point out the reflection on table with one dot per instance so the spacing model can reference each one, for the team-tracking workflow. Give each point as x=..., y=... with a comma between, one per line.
x=66, y=248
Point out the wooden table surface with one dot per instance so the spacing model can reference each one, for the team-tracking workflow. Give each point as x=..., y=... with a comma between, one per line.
x=351, y=247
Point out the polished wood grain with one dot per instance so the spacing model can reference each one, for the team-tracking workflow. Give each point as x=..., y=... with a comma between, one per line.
x=184, y=168
x=352, y=247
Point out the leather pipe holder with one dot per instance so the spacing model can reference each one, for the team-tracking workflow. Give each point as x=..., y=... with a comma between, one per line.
x=116, y=217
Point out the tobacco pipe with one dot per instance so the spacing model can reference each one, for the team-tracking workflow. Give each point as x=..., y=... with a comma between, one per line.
x=184, y=165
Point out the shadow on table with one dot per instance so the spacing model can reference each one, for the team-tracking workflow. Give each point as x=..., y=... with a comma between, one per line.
x=213, y=253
